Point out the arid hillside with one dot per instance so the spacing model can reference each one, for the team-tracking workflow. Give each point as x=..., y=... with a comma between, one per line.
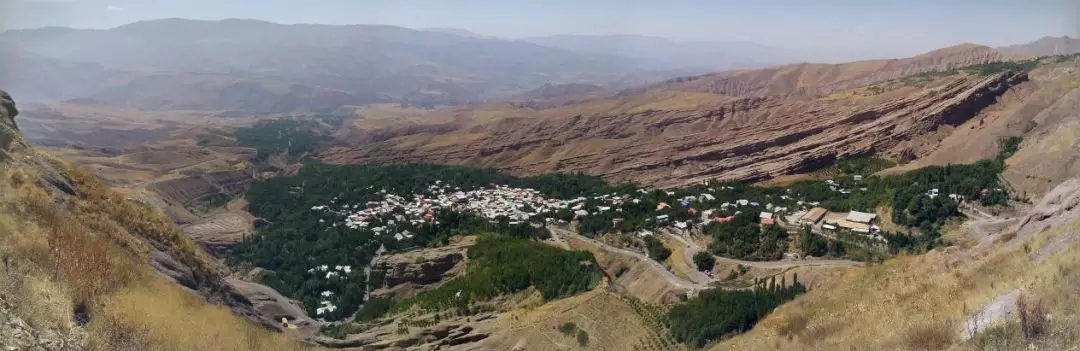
x=1012, y=286
x=677, y=134
x=811, y=79
x=87, y=268
x=718, y=137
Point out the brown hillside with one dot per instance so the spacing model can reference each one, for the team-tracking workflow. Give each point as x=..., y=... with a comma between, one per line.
x=85, y=268
x=670, y=138
x=810, y=79
x=554, y=95
x=978, y=297
x=1042, y=110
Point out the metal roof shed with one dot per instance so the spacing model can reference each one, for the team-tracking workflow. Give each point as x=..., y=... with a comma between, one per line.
x=861, y=217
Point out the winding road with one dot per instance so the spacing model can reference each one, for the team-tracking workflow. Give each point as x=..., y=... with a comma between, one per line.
x=692, y=248
x=671, y=278
x=700, y=280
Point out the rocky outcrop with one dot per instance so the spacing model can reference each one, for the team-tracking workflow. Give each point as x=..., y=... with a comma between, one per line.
x=405, y=274
x=273, y=309
x=751, y=138
x=452, y=335
x=151, y=237
x=17, y=334
x=10, y=138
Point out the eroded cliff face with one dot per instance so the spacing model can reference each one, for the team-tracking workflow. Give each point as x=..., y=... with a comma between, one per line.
x=10, y=138
x=405, y=274
x=750, y=138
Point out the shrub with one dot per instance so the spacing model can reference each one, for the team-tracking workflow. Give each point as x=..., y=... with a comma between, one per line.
x=704, y=261
x=568, y=328
x=930, y=336
x=582, y=337
x=656, y=248
x=1033, y=321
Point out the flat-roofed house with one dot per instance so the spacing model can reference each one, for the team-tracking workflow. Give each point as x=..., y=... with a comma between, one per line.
x=813, y=216
x=853, y=226
x=861, y=217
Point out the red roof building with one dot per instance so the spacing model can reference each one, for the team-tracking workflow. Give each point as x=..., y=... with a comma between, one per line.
x=723, y=219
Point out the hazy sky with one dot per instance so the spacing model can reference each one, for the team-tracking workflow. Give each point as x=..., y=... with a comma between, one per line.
x=869, y=27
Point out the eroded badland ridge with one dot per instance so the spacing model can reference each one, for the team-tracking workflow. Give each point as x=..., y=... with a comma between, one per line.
x=749, y=125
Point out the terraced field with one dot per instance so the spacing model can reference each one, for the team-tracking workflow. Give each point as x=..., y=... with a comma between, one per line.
x=612, y=321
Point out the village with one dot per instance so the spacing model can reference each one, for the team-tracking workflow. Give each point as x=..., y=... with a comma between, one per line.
x=683, y=212
x=676, y=211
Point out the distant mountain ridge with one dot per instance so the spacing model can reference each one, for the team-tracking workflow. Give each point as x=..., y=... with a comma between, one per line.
x=205, y=60
x=808, y=79
x=1047, y=46
x=258, y=67
x=714, y=56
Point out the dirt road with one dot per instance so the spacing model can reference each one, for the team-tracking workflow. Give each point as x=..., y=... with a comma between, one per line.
x=691, y=248
x=671, y=278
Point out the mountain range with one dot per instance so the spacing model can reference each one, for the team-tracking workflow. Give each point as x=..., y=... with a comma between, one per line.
x=219, y=127
x=242, y=66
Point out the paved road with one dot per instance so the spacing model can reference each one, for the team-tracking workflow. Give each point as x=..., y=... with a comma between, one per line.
x=691, y=248
x=671, y=278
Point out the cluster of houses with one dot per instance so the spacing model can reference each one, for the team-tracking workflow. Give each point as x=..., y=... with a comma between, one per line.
x=337, y=272
x=386, y=216
x=854, y=221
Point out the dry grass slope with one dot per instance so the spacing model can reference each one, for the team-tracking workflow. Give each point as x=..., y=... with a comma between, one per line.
x=78, y=265
x=922, y=302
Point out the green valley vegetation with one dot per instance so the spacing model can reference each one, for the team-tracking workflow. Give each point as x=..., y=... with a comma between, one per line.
x=743, y=238
x=715, y=313
x=306, y=253
x=656, y=248
x=281, y=136
x=311, y=252
x=500, y=264
x=989, y=68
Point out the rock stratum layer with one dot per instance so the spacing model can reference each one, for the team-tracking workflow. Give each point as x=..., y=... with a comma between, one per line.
x=678, y=138
x=405, y=274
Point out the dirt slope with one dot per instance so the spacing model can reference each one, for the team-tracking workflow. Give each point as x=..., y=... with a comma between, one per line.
x=671, y=141
x=1042, y=110
x=811, y=79
x=952, y=298
x=671, y=138
x=96, y=270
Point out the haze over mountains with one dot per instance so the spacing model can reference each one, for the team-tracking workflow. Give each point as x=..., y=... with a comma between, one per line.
x=1047, y=46
x=243, y=65
x=340, y=165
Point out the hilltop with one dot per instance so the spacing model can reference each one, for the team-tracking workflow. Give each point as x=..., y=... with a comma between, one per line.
x=815, y=79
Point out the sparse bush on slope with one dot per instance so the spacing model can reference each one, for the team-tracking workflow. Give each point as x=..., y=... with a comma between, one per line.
x=76, y=259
